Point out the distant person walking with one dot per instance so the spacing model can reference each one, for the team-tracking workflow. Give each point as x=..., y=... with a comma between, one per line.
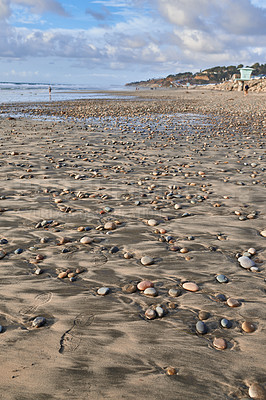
x=50, y=92
x=246, y=90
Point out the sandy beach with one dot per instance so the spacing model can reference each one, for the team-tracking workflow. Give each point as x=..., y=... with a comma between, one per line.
x=98, y=196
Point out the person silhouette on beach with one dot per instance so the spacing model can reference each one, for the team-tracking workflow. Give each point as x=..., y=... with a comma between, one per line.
x=246, y=90
x=50, y=92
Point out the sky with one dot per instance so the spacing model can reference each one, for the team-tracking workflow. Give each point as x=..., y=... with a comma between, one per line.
x=112, y=42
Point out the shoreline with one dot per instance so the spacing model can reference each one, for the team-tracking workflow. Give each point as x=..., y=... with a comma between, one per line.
x=170, y=189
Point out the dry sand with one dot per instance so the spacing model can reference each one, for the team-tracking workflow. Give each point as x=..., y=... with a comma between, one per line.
x=128, y=162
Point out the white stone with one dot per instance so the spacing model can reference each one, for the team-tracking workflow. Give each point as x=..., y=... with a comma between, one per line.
x=246, y=262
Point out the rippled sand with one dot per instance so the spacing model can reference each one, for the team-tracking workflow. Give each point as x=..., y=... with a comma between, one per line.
x=128, y=162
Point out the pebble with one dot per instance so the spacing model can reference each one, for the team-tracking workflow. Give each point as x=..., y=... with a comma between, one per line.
x=145, y=285
x=62, y=275
x=151, y=291
x=150, y=313
x=146, y=260
x=160, y=311
x=1, y=329
x=219, y=343
x=252, y=251
x=38, y=322
x=201, y=327
x=225, y=323
x=171, y=371
x=152, y=222
x=203, y=315
x=263, y=233
x=110, y=226
x=38, y=271
x=174, y=292
x=103, y=291
x=257, y=392
x=254, y=269
x=3, y=241
x=114, y=250
x=190, y=286
x=233, y=302
x=184, y=250
x=248, y=327
x=129, y=288
x=2, y=254
x=222, y=278
x=18, y=251
x=246, y=262
x=127, y=256
x=220, y=297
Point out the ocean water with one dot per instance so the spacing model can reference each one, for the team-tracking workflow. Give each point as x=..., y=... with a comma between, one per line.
x=17, y=92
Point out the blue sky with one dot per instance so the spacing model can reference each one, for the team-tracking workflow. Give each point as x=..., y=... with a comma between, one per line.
x=109, y=42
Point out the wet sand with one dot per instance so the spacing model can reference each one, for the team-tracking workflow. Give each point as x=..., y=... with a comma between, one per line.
x=181, y=175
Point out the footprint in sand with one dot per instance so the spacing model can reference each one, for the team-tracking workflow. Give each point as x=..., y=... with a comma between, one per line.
x=71, y=339
x=39, y=300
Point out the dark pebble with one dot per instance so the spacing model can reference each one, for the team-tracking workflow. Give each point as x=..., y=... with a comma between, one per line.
x=225, y=323
x=201, y=327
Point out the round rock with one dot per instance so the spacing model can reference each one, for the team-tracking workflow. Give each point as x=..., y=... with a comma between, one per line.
x=219, y=343
x=263, y=233
x=143, y=285
x=248, y=327
x=129, y=288
x=151, y=291
x=203, y=315
x=225, y=323
x=103, y=291
x=246, y=262
x=146, y=260
x=174, y=292
x=233, y=302
x=152, y=222
x=150, y=313
x=257, y=392
x=38, y=322
x=110, y=226
x=190, y=286
x=2, y=254
x=86, y=240
x=160, y=311
x=252, y=251
x=222, y=278
x=201, y=327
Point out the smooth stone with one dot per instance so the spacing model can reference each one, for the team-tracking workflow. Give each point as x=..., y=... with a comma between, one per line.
x=203, y=315
x=86, y=240
x=225, y=323
x=129, y=288
x=171, y=371
x=222, y=278
x=152, y=222
x=114, y=250
x=233, y=302
x=146, y=260
x=184, y=250
x=3, y=241
x=254, y=269
x=18, y=251
x=174, y=292
x=2, y=254
x=220, y=297
x=38, y=271
x=263, y=233
x=201, y=327
x=246, y=262
x=38, y=322
x=150, y=313
x=252, y=251
x=151, y=291
x=103, y=291
x=190, y=286
x=145, y=285
x=110, y=226
x=246, y=254
x=219, y=343
x=1, y=329
x=257, y=392
x=62, y=275
x=248, y=327
x=107, y=209
x=160, y=311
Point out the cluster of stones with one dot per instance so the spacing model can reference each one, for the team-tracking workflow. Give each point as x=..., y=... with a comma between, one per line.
x=246, y=261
